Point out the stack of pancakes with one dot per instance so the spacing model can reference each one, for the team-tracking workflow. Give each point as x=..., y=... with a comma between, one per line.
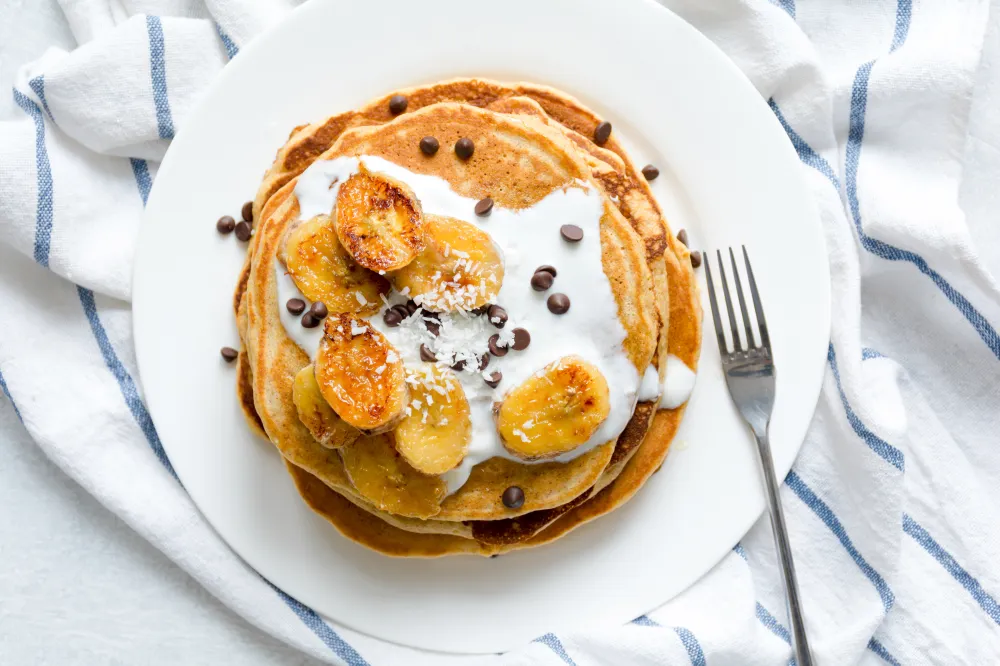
x=529, y=141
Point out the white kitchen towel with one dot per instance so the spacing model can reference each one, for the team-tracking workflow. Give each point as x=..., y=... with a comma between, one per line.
x=892, y=503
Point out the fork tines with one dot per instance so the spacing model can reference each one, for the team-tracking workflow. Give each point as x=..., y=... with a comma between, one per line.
x=765, y=341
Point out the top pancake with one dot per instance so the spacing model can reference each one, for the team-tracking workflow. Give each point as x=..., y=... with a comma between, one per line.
x=519, y=165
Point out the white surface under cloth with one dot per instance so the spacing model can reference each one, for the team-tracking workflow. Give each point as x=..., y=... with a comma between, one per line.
x=897, y=565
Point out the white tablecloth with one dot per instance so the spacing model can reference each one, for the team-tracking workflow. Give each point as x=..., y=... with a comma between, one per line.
x=78, y=586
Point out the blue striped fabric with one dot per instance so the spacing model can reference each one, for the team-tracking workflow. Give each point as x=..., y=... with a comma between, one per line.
x=645, y=621
x=869, y=353
x=944, y=558
x=825, y=514
x=141, y=172
x=880, y=650
x=693, y=647
x=804, y=150
x=227, y=41
x=6, y=392
x=556, y=646
x=38, y=87
x=44, y=210
x=125, y=382
x=787, y=5
x=772, y=623
x=158, y=75
x=884, y=449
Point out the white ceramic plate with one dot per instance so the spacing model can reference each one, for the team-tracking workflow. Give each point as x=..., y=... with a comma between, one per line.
x=729, y=175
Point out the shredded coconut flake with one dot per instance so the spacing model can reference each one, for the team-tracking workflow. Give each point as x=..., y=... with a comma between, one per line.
x=361, y=298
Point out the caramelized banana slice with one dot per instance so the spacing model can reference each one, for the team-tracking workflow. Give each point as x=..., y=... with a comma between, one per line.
x=329, y=429
x=384, y=478
x=360, y=374
x=435, y=433
x=553, y=411
x=459, y=269
x=379, y=221
x=324, y=271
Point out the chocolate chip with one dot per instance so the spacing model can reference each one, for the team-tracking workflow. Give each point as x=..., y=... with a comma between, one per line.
x=484, y=361
x=432, y=321
x=481, y=310
x=392, y=318
x=521, y=339
x=484, y=207
x=427, y=355
x=558, y=303
x=411, y=307
x=244, y=231
x=541, y=280
x=547, y=269
x=402, y=310
x=571, y=233
x=229, y=354
x=247, y=211
x=397, y=104
x=464, y=148
x=495, y=347
x=602, y=133
x=309, y=321
x=513, y=498
x=458, y=365
x=494, y=379
x=429, y=145
x=225, y=224
x=296, y=306
x=497, y=315
x=319, y=310
x=650, y=172
x=682, y=236
x=696, y=258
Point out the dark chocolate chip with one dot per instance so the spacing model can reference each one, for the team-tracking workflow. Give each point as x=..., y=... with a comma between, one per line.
x=429, y=145
x=411, y=306
x=226, y=224
x=484, y=207
x=513, y=498
x=547, y=269
x=541, y=280
x=497, y=315
x=397, y=104
x=464, y=148
x=521, y=339
x=682, y=236
x=244, y=231
x=494, y=379
x=484, y=361
x=571, y=233
x=318, y=310
x=402, y=310
x=392, y=318
x=481, y=310
x=696, y=259
x=650, y=172
x=558, y=303
x=458, y=365
x=495, y=347
x=309, y=321
x=427, y=355
x=602, y=133
x=247, y=211
x=296, y=306
x=229, y=354
x=432, y=320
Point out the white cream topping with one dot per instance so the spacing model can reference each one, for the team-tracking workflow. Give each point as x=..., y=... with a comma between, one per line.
x=679, y=384
x=526, y=238
x=650, y=388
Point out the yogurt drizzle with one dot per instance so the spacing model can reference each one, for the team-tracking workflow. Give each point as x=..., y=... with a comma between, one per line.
x=527, y=238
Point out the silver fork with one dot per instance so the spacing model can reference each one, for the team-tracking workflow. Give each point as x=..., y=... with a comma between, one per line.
x=750, y=377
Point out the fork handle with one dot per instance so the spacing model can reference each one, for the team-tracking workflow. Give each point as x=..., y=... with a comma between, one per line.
x=800, y=644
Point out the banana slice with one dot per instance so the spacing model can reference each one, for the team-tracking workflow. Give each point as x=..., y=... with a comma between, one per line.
x=553, y=411
x=379, y=221
x=324, y=271
x=360, y=374
x=459, y=268
x=329, y=429
x=384, y=478
x=435, y=433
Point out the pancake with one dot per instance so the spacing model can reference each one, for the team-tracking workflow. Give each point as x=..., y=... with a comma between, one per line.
x=543, y=165
x=627, y=463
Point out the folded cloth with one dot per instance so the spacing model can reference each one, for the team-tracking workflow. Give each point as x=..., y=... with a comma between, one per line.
x=893, y=502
